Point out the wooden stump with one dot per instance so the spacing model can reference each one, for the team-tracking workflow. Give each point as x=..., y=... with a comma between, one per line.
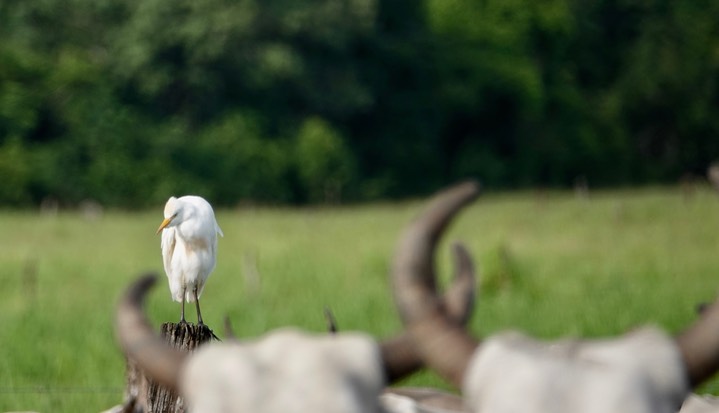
x=146, y=396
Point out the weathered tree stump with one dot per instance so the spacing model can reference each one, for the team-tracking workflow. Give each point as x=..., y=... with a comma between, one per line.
x=143, y=395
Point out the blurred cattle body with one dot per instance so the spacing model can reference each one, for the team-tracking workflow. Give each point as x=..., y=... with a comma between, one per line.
x=640, y=372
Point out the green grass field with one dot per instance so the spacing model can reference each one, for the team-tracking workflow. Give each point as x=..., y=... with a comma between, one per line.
x=552, y=265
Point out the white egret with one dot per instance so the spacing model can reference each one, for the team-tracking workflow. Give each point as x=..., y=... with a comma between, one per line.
x=189, y=248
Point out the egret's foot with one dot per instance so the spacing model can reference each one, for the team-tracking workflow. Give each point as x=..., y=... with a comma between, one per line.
x=213, y=335
x=203, y=326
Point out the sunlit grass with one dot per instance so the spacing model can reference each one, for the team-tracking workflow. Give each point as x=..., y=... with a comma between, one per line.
x=552, y=265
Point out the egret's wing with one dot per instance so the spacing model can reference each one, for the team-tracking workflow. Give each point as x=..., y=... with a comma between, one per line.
x=168, y=247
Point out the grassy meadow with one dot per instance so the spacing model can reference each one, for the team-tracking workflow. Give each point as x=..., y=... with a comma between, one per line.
x=551, y=264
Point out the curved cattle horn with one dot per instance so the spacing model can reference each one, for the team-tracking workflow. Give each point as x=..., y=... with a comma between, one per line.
x=399, y=353
x=443, y=345
x=459, y=297
x=699, y=346
x=159, y=361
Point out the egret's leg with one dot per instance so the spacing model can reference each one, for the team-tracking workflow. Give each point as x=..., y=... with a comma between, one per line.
x=197, y=304
x=182, y=315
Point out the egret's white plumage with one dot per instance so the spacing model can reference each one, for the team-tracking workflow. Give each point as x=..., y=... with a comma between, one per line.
x=189, y=247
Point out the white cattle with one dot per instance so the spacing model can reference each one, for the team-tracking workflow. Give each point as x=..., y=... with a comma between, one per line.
x=328, y=373
x=645, y=371
x=641, y=372
x=288, y=370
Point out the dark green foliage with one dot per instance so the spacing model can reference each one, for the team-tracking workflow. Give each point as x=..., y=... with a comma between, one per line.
x=127, y=102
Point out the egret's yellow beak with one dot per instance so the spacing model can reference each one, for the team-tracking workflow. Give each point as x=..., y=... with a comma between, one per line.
x=165, y=223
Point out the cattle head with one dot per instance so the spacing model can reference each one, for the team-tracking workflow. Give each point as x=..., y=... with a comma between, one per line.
x=643, y=371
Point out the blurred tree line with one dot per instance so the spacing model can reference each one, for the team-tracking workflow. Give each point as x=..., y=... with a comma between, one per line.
x=129, y=101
